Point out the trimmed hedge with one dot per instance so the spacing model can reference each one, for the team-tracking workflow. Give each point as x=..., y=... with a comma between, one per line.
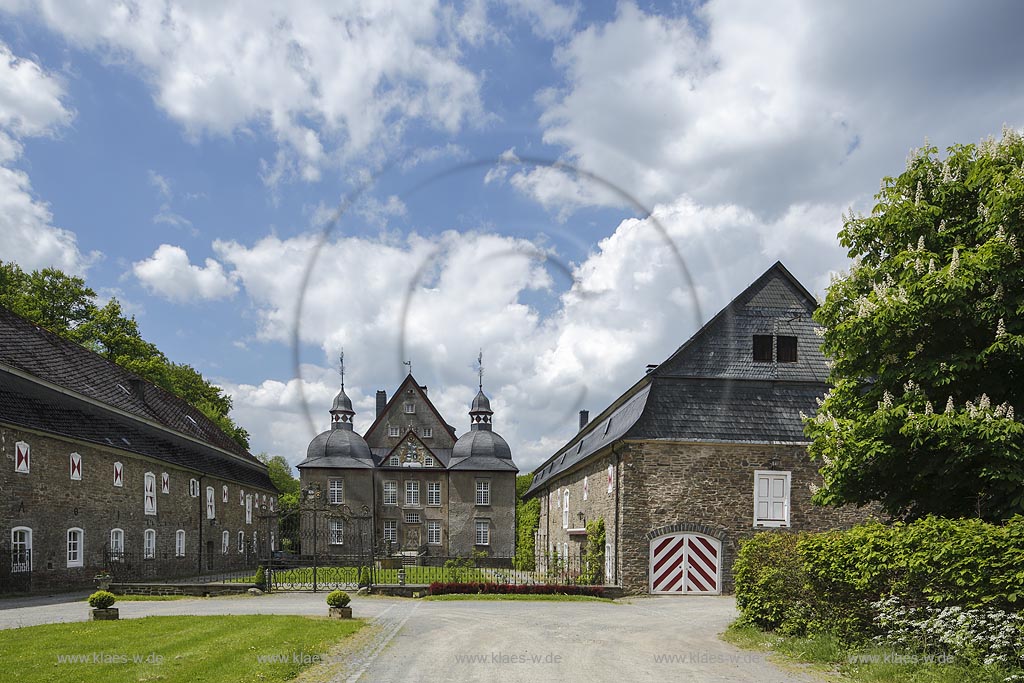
x=443, y=588
x=338, y=599
x=101, y=600
x=799, y=582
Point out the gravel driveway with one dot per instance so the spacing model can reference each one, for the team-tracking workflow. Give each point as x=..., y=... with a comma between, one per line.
x=642, y=639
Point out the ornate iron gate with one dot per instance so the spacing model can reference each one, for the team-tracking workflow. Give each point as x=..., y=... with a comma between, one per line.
x=315, y=546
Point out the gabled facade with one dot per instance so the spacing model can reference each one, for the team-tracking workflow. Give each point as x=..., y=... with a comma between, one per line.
x=430, y=494
x=100, y=465
x=702, y=451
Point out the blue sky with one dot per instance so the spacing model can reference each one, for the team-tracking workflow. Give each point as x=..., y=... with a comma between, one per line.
x=185, y=158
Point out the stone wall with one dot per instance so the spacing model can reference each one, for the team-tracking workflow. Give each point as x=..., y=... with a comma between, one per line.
x=49, y=502
x=710, y=487
x=463, y=513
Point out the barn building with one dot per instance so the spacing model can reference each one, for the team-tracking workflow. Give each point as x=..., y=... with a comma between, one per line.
x=702, y=451
x=102, y=469
x=428, y=493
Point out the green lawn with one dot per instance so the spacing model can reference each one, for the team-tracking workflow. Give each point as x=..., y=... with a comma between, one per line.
x=350, y=575
x=830, y=656
x=513, y=596
x=169, y=649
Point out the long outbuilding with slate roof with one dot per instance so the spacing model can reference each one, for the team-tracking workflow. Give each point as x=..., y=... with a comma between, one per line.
x=109, y=473
x=702, y=451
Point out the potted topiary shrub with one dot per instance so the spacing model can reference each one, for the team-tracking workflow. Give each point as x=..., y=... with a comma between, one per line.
x=337, y=602
x=101, y=602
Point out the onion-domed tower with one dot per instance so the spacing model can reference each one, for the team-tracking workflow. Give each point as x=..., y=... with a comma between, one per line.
x=340, y=446
x=481, y=448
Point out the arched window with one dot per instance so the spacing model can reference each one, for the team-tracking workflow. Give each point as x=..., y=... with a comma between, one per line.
x=149, y=545
x=117, y=544
x=241, y=541
x=76, y=547
x=225, y=541
x=179, y=543
x=21, y=549
x=150, y=493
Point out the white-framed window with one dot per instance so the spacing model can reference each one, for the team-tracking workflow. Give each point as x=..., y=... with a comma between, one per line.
x=428, y=432
x=611, y=478
x=118, y=474
x=193, y=488
x=391, y=493
x=248, y=509
x=165, y=482
x=393, y=431
x=150, y=493
x=433, y=493
x=241, y=541
x=22, y=457
x=21, y=549
x=224, y=494
x=565, y=509
x=225, y=541
x=75, y=466
x=179, y=543
x=149, y=544
x=390, y=530
x=428, y=461
x=586, y=488
x=336, y=491
x=433, y=533
x=336, y=533
x=483, y=492
x=211, y=503
x=483, y=532
x=412, y=518
x=412, y=493
x=394, y=461
x=273, y=542
x=76, y=547
x=116, y=544
x=771, y=498
x=410, y=408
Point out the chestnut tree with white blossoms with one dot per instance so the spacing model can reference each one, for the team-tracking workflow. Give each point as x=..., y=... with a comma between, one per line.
x=926, y=338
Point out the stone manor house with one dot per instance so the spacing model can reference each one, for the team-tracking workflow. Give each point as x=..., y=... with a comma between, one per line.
x=703, y=450
x=101, y=468
x=428, y=493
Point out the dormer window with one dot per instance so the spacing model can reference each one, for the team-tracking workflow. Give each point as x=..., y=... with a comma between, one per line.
x=784, y=350
x=393, y=431
x=410, y=408
x=428, y=432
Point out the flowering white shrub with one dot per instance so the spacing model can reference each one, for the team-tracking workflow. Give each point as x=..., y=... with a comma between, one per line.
x=985, y=636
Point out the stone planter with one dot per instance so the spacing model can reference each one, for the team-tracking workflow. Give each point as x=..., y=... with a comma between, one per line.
x=339, y=612
x=105, y=614
x=103, y=584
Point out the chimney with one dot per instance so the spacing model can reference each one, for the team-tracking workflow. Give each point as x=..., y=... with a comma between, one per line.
x=584, y=418
x=423, y=388
x=382, y=401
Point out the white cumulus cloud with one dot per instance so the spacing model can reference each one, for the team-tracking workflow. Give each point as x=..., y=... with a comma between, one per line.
x=169, y=274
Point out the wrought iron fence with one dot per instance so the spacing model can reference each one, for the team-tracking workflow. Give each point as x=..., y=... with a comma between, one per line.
x=15, y=576
x=142, y=566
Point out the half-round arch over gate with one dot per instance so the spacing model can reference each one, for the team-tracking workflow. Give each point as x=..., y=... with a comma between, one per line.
x=684, y=563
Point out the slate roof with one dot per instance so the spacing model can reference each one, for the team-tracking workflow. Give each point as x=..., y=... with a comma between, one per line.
x=482, y=449
x=442, y=455
x=51, y=358
x=710, y=389
x=29, y=404
x=339, y=447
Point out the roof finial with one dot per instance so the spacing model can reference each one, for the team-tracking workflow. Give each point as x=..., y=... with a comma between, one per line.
x=480, y=363
x=409, y=363
x=341, y=366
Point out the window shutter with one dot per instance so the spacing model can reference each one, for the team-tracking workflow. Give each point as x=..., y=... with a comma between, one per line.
x=22, y=457
x=75, y=463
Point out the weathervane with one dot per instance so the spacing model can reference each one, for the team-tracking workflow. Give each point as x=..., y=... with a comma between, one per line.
x=409, y=363
x=480, y=363
x=341, y=367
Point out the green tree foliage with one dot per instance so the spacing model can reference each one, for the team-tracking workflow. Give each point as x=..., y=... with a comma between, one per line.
x=281, y=475
x=593, y=554
x=527, y=520
x=926, y=336
x=65, y=305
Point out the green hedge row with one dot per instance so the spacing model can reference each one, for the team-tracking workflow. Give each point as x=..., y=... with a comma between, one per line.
x=796, y=582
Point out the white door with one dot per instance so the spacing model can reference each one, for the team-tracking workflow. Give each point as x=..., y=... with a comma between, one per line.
x=686, y=563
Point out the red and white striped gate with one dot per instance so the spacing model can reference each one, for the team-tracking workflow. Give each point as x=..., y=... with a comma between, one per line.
x=686, y=563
